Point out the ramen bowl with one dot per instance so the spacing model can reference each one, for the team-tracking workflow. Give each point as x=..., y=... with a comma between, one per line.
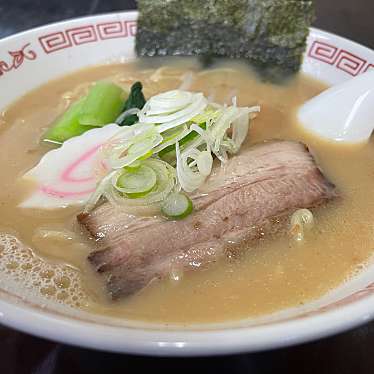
x=32, y=58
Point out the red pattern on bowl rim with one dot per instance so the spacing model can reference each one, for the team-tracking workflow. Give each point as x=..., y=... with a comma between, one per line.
x=320, y=50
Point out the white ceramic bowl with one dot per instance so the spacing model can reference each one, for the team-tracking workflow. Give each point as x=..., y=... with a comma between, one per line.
x=32, y=58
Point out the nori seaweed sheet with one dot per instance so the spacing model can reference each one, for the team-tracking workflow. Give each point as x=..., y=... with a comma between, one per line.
x=271, y=34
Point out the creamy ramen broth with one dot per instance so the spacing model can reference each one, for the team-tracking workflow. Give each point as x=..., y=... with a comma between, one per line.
x=272, y=275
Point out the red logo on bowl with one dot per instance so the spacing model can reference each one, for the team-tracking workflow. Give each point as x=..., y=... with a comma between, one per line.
x=17, y=59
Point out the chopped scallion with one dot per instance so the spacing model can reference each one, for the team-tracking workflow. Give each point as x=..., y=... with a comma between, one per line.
x=168, y=154
x=137, y=183
x=177, y=206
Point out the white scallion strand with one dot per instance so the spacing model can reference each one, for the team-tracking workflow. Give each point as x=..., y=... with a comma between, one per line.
x=130, y=144
x=127, y=113
x=192, y=175
x=173, y=108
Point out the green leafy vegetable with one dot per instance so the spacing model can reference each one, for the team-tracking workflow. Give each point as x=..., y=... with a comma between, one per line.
x=102, y=105
x=136, y=99
x=268, y=33
x=67, y=126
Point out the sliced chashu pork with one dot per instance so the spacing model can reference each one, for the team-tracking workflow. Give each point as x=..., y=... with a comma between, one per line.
x=252, y=194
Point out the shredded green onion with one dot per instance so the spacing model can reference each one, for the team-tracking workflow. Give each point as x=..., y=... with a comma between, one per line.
x=171, y=147
x=134, y=166
x=168, y=153
x=165, y=183
x=130, y=144
x=177, y=206
x=136, y=183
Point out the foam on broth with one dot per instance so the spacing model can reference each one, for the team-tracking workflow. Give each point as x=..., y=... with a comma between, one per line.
x=270, y=276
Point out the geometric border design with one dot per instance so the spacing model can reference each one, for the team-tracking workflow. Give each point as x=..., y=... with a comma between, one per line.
x=350, y=63
x=111, y=30
x=71, y=37
x=369, y=67
x=340, y=58
x=82, y=35
x=323, y=52
x=68, y=38
x=54, y=42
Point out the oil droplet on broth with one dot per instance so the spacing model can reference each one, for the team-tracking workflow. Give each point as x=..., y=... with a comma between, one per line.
x=12, y=265
x=47, y=274
x=63, y=295
x=48, y=291
x=62, y=282
x=27, y=266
